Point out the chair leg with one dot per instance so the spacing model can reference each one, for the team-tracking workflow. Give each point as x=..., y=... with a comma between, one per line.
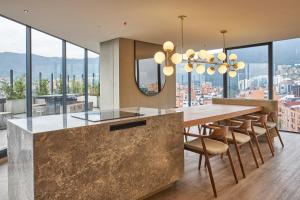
x=232, y=166
x=186, y=138
x=200, y=129
x=212, y=181
x=258, y=149
x=200, y=160
x=279, y=136
x=240, y=160
x=269, y=142
x=253, y=153
x=269, y=135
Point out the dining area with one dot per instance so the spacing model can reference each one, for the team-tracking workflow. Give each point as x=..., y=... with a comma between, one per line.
x=229, y=143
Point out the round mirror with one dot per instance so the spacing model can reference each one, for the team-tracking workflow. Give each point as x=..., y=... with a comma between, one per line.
x=149, y=75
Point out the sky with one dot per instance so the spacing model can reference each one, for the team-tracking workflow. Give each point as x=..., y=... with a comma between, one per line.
x=13, y=39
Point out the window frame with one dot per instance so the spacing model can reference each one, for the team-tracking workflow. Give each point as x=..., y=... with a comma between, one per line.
x=270, y=67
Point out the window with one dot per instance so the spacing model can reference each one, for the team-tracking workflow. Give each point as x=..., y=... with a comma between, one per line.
x=286, y=82
x=93, y=80
x=181, y=86
x=252, y=81
x=46, y=74
x=75, y=78
x=12, y=72
x=205, y=87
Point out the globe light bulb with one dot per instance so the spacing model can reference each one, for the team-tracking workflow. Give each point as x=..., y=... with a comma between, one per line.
x=210, y=57
x=168, y=46
x=188, y=67
x=232, y=73
x=200, y=69
x=202, y=54
x=241, y=65
x=190, y=53
x=211, y=70
x=222, y=69
x=222, y=56
x=176, y=58
x=233, y=57
x=159, y=57
x=168, y=70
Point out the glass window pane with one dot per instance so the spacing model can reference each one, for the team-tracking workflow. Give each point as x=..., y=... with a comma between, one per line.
x=93, y=80
x=286, y=58
x=252, y=81
x=181, y=86
x=46, y=74
x=205, y=87
x=12, y=72
x=75, y=78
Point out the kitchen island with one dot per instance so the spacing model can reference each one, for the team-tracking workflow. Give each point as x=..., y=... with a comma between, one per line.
x=65, y=157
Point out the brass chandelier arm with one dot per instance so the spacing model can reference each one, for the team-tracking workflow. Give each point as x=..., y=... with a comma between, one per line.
x=211, y=63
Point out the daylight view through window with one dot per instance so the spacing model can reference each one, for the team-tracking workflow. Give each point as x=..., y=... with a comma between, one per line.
x=287, y=83
x=47, y=75
x=252, y=81
x=203, y=86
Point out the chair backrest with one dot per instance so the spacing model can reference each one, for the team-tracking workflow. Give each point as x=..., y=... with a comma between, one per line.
x=220, y=133
x=245, y=125
x=263, y=118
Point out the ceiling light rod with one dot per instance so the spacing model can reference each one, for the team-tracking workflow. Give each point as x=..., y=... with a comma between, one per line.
x=223, y=33
x=181, y=17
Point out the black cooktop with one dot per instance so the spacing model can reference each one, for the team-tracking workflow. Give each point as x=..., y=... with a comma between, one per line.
x=96, y=116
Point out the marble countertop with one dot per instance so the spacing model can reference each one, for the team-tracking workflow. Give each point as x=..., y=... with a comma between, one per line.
x=65, y=121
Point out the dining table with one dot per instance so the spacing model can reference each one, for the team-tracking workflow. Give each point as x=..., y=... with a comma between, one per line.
x=199, y=115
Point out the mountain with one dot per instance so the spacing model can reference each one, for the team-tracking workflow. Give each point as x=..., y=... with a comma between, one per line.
x=45, y=65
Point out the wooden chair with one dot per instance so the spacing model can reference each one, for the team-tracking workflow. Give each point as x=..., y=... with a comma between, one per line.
x=259, y=128
x=210, y=146
x=271, y=124
x=238, y=136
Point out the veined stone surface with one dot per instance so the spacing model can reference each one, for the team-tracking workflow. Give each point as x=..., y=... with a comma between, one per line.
x=92, y=162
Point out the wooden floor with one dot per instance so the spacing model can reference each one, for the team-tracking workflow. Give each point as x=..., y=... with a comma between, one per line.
x=278, y=178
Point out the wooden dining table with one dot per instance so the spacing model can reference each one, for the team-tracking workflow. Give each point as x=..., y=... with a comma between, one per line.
x=203, y=114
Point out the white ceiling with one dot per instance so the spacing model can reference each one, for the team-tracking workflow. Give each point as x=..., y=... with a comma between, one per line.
x=88, y=22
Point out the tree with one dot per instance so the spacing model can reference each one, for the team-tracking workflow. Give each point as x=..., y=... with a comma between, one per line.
x=15, y=92
x=42, y=87
x=19, y=87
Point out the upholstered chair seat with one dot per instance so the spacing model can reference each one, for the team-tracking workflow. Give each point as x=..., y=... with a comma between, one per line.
x=239, y=137
x=258, y=130
x=213, y=147
x=271, y=124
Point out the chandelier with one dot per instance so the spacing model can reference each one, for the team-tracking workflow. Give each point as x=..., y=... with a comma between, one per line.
x=203, y=57
x=198, y=59
x=169, y=57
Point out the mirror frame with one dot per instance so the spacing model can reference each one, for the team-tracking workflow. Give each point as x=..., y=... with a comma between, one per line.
x=159, y=72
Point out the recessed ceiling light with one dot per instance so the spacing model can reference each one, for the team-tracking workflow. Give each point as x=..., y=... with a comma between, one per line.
x=26, y=11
